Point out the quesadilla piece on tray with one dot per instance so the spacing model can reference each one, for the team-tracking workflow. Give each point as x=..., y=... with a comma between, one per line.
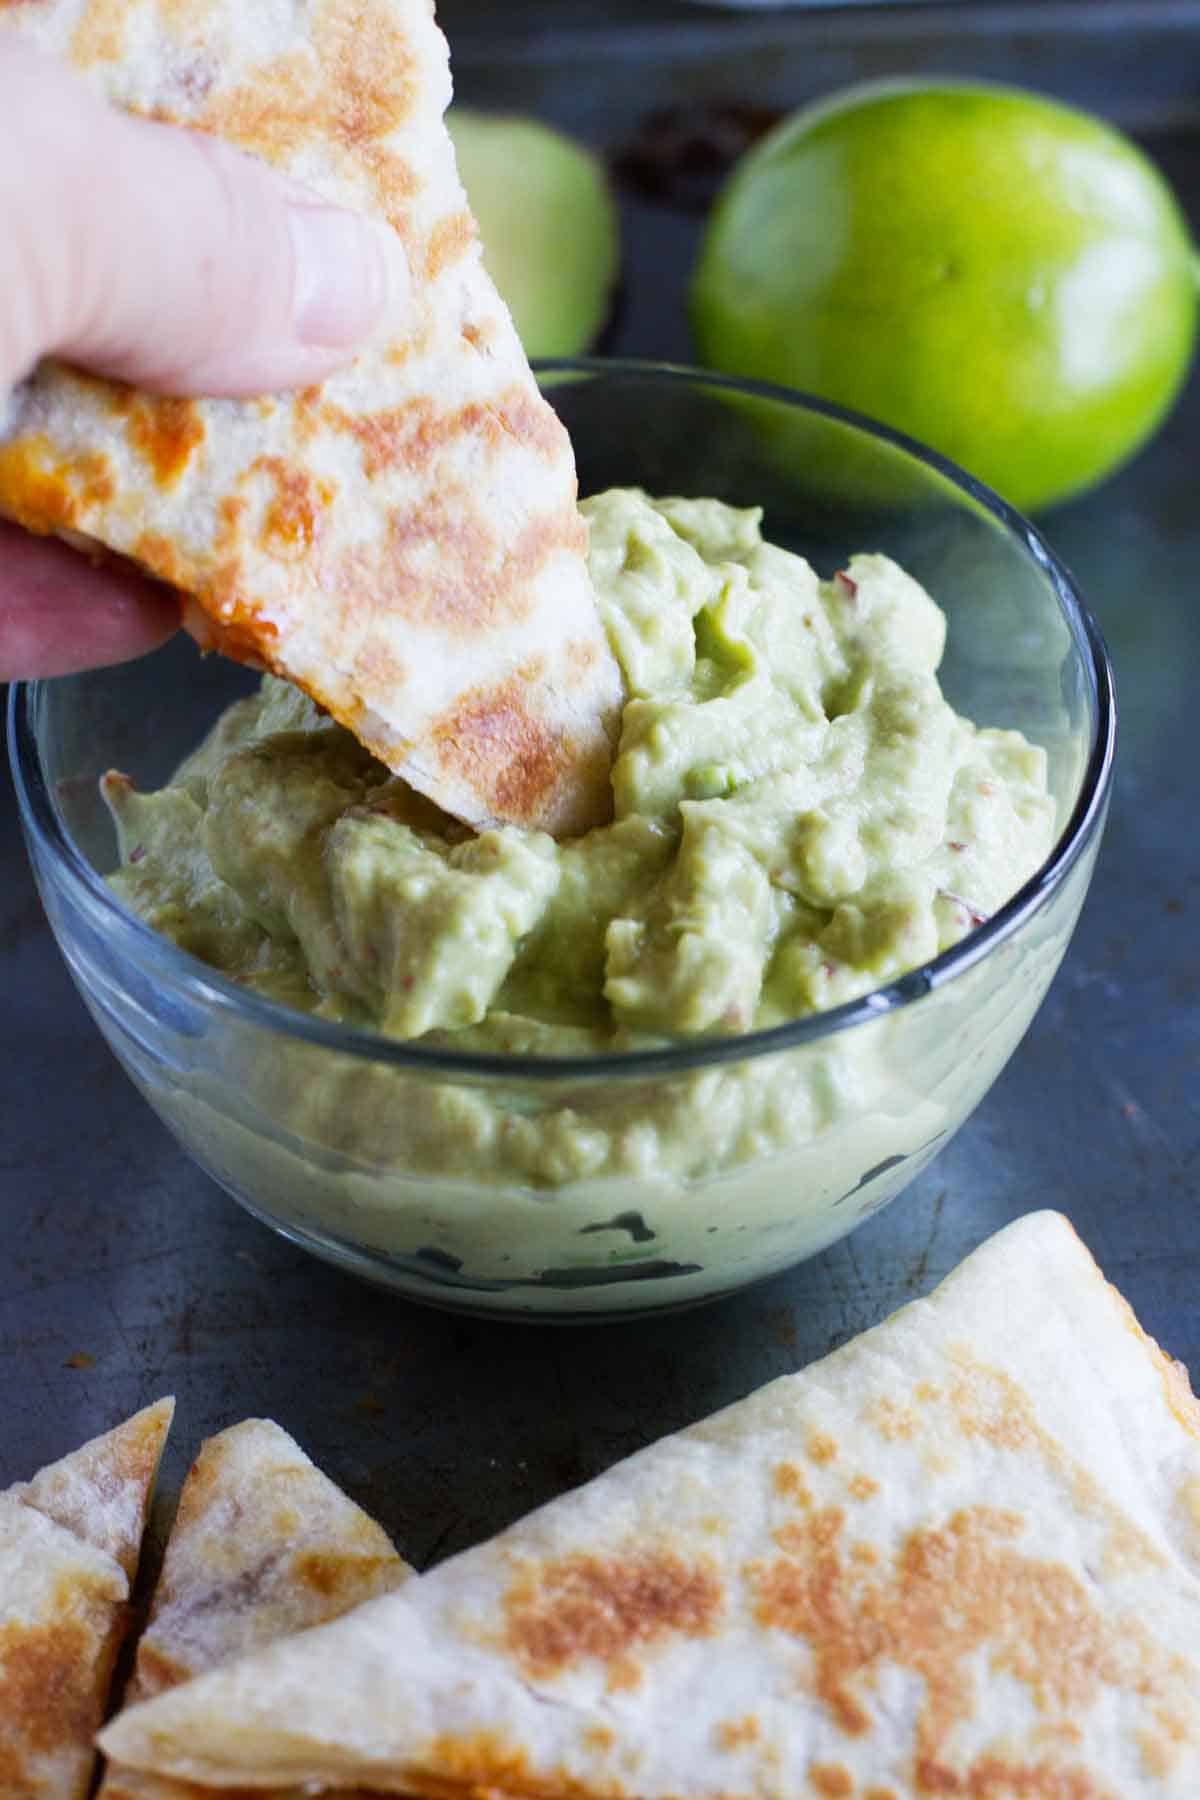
x=403, y=542
x=263, y=1545
x=70, y=1541
x=960, y=1556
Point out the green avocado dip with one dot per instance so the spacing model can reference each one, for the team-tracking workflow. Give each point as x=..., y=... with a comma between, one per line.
x=798, y=817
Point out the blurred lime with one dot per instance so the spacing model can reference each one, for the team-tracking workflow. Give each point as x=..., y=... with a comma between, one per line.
x=1002, y=277
x=547, y=223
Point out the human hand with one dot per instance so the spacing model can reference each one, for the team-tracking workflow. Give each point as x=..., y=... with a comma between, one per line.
x=167, y=259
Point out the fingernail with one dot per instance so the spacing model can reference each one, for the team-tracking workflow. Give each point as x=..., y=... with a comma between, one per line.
x=347, y=273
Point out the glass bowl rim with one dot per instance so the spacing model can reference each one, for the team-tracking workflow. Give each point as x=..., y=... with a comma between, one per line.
x=48, y=831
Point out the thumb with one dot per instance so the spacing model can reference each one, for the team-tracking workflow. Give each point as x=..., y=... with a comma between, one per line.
x=166, y=258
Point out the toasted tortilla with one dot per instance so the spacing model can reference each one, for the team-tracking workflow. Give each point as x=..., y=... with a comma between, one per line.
x=263, y=1545
x=959, y=1556
x=70, y=1541
x=403, y=542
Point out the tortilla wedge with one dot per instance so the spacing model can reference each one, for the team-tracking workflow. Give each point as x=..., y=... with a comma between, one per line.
x=70, y=1541
x=960, y=1556
x=263, y=1545
x=403, y=542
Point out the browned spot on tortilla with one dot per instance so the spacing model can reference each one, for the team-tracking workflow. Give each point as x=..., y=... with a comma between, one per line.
x=47, y=1686
x=161, y=557
x=733, y=1734
x=409, y=437
x=1160, y=1748
x=951, y=1593
x=996, y=1778
x=396, y=184
x=54, y=1680
x=833, y=1781
x=371, y=72
x=862, y=1487
x=14, y=1768
x=576, y=1608
x=491, y=741
x=893, y=1421
x=533, y=422
x=282, y=107
x=484, y=1761
x=449, y=240
x=805, y=1594
x=880, y=1793
x=480, y=333
x=401, y=352
x=821, y=1447
x=791, y=1484
x=1157, y=1757
x=235, y=632
x=166, y=432
x=294, y=517
x=380, y=669
x=580, y=657
x=308, y=416
x=990, y=1405
x=231, y=510
x=444, y=566
x=45, y=492
x=334, y=1575
x=624, y=1677
x=100, y=33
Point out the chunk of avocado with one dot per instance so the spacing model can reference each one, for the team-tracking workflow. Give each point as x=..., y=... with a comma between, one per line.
x=548, y=225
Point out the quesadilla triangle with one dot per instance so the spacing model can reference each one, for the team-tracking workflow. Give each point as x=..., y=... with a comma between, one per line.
x=263, y=1545
x=960, y=1556
x=70, y=1541
x=402, y=542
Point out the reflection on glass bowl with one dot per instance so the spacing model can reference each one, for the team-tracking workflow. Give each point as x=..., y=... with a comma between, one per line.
x=624, y=1183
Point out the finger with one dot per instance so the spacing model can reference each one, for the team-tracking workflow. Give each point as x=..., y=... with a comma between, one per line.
x=59, y=612
x=167, y=258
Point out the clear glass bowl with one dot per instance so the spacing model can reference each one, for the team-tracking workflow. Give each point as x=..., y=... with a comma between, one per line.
x=628, y=1183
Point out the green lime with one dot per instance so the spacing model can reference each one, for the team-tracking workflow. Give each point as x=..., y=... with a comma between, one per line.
x=548, y=224
x=1000, y=276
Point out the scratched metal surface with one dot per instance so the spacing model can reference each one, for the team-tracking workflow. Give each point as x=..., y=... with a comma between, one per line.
x=124, y=1273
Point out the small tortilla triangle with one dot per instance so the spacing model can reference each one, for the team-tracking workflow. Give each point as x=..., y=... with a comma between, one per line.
x=961, y=1556
x=263, y=1545
x=70, y=1540
x=403, y=542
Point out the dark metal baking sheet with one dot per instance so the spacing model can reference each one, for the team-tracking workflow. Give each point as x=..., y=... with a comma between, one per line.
x=124, y=1273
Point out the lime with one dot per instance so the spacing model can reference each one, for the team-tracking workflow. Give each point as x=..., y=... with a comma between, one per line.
x=548, y=224
x=1002, y=277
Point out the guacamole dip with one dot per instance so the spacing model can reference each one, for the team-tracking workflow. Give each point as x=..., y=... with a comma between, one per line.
x=798, y=816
